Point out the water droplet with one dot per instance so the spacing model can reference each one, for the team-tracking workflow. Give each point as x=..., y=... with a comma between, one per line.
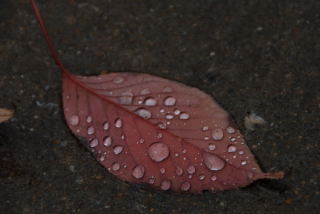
x=106, y=126
x=102, y=158
x=138, y=172
x=184, y=151
x=165, y=185
x=241, y=152
x=118, y=123
x=179, y=171
x=214, y=178
x=205, y=128
x=176, y=155
x=145, y=91
x=89, y=119
x=74, y=120
x=150, y=101
x=140, y=141
x=202, y=177
x=143, y=113
x=230, y=130
x=118, y=80
x=115, y=166
x=177, y=112
x=117, y=150
x=94, y=143
x=167, y=89
x=233, y=139
x=191, y=170
x=232, y=148
x=217, y=134
x=159, y=135
x=162, y=170
x=213, y=162
x=107, y=141
x=169, y=101
x=162, y=125
x=162, y=110
x=169, y=116
x=211, y=147
x=184, y=116
x=243, y=163
x=90, y=130
x=158, y=152
x=206, y=138
x=185, y=186
x=126, y=98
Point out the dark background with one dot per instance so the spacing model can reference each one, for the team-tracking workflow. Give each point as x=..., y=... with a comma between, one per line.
x=251, y=55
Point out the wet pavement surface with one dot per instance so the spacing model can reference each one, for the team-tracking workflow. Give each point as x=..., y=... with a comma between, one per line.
x=260, y=56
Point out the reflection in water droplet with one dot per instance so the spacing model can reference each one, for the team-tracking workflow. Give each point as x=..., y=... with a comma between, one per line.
x=165, y=185
x=217, y=134
x=143, y=113
x=213, y=162
x=94, y=143
x=115, y=166
x=90, y=130
x=169, y=101
x=179, y=171
x=89, y=119
x=107, y=141
x=118, y=80
x=138, y=172
x=150, y=101
x=232, y=148
x=106, y=126
x=191, y=170
x=211, y=147
x=118, y=123
x=74, y=120
x=185, y=186
x=117, y=150
x=184, y=116
x=158, y=152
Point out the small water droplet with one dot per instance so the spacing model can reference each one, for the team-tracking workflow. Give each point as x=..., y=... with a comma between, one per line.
x=145, y=91
x=102, y=158
x=230, y=130
x=205, y=128
x=206, y=138
x=214, y=178
x=233, y=139
x=217, y=134
x=202, y=177
x=162, y=125
x=184, y=116
x=179, y=171
x=89, y=119
x=143, y=113
x=158, y=152
x=184, y=151
x=90, y=130
x=243, y=163
x=165, y=185
x=162, y=170
x=94, y=143
x=106, y=126
x=177, y=112
x=211, y=147
x=117, y=150
x=115, y=166
x=232, y=148
x=151, y=180
x=118, y=80
x=140, y=141
x=241, y=152
x=118, y=123
x=167, y=89
x=150, y=101
x=74, y=120
x=213, y=162
x=185, y=186
x=126, y=98
x=162, y=110
x=159, y=135
x=169, y=116
x=107, y=141
x=191, y=170
x=176, y=155
x=169, y=101
x=138, y=172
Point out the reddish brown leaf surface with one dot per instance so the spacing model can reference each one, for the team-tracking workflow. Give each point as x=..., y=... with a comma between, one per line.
x=146, y=129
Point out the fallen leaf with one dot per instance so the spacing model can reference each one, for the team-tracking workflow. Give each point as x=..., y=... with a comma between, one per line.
x=5, y=114
x=147, y=129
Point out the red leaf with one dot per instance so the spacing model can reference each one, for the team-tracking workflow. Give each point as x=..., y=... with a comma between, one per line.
x=146, y=129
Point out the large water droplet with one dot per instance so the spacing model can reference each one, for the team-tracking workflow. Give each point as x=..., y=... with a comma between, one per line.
x=107, y=141
x=185, y=186
x=138, y=172
x=211, y=147
x=94, y=143
x=232, y=148
x=118, y=80
x=158, y=152
x=217, y=134
x=191, y=170
x=90, y=130
x=115, y=166
x=118, y=123
x=150, y=101
x=117, y=150
x=179, y=171
x=126, y=98
x=184, y=116
x=143, y=113
x=169, y=101
x=165, y=185
x=106, y=126
x=74, y=120
x=213, y=162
